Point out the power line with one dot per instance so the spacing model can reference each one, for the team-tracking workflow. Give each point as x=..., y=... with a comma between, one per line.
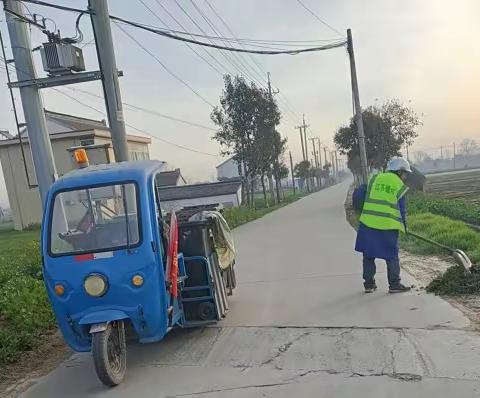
x=237, y=57
x=172, y=143
x=233, y=34
x=146, y=110
x=59, y=7
x=244, y=71
x=319, y=19
x=135, y=107
x=214, y=59
x=188, y=45
x=171, y=73
x=164, y=33
x=226, y=56
x=131, y=126
x=137, y=128
x=261, y=74
x=24, y=19
x=259, y=67
x=238, y=40
x=78, y=10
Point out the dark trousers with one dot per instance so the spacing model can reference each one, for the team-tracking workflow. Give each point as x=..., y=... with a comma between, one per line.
x=369, y=270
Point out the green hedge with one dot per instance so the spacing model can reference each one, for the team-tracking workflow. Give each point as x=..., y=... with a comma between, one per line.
x=236, y=216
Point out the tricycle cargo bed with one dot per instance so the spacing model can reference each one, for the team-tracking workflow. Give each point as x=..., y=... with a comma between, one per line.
x=204, y=296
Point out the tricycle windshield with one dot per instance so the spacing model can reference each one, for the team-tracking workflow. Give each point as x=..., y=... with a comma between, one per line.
x=94, y=219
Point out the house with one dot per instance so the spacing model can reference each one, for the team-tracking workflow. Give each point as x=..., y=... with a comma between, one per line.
x=229, y=169
x=227, y=193
x=67, y=132
x=170, y=178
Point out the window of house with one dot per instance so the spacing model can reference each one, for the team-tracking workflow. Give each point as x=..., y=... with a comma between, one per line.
x=87, y=142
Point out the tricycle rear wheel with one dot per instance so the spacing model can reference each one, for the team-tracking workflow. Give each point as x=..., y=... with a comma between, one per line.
x=110, y=354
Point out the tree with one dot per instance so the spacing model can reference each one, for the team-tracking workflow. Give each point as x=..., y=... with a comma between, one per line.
x=279, y=168
x=247, y=117
x=468, y=147
x=303, y=170
x=387, y=129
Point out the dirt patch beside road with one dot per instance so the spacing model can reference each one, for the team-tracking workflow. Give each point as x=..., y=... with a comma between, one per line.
x=31, y=365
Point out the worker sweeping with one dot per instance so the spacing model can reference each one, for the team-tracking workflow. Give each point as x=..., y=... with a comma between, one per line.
x=383, y=216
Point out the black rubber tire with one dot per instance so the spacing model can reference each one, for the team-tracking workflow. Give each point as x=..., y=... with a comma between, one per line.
x=109, y=353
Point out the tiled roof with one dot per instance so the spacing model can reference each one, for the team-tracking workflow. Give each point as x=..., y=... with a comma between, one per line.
x=168, y=178
x=199, y=190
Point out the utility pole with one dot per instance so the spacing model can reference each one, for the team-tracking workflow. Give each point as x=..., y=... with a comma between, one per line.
x=316, y=161
x=441, y=152
x=454, y=157
x=39, y=140
x=304, y=151
x=358, y=109
x=301, y=140
x=305, y=138
x=319, y=153
x=306, y=146
x=276, y=160
x=325, y=153
x=291, y=171
x=333, y=164
x=336, y=161
x=106, y=59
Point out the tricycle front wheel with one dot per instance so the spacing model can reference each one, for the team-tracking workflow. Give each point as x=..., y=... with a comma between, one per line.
x=110, y=353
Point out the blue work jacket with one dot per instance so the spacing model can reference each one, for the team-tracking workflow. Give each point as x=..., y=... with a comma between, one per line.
x=374, y=242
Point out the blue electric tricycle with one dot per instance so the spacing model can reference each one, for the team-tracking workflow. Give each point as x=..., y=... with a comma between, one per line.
x=104, y=246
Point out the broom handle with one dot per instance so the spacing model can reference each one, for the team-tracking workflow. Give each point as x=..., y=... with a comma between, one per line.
x=431, y=241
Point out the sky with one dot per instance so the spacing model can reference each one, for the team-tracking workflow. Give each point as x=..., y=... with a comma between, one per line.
x=425, y=53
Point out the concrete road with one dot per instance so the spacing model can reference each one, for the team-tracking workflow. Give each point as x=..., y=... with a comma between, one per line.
x=300, y=325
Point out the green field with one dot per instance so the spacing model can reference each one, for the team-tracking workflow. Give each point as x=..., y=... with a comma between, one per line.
x=6, y=226
x=24, y=308
x=460, y=184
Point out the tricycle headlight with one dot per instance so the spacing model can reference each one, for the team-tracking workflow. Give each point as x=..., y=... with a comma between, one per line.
x=95, y=285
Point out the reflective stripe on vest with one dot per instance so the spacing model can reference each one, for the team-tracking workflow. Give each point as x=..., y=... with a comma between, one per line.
x=380, y=209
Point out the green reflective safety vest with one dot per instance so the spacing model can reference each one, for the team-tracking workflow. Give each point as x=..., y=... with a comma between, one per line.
x=380, y=209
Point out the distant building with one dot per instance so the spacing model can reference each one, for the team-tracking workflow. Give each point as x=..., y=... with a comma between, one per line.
x=227, y=193
x=170, y=178
x=67, y=132
x=229, y=169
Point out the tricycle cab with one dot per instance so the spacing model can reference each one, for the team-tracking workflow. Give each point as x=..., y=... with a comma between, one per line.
x=103, y=251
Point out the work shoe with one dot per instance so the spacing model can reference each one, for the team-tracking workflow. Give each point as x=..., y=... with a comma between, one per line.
x=370, y=288
x=399, y=288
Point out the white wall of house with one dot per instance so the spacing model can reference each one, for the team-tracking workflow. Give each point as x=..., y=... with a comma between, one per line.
x=24, y=201
x=232, y=200
x=228, y=169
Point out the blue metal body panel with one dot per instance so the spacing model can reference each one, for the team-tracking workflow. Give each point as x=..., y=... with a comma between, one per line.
x=151, y=309
x=145, y=306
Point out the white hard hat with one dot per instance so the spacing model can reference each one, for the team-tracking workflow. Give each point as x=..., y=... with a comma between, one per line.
x=397, y=164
